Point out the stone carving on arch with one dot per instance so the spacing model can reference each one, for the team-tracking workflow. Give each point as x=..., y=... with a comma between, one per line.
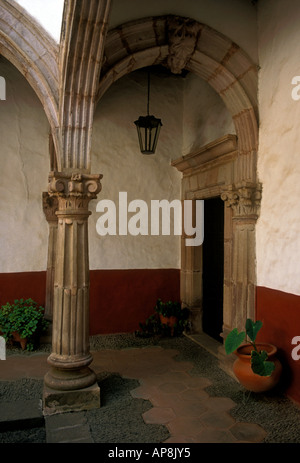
x=182, y=43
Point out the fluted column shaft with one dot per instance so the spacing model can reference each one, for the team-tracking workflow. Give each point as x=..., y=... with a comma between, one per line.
x=244, y=200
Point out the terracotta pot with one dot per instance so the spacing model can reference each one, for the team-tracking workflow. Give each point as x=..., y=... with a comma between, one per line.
x=17, y=338
x=243, y=371
x=169, y=321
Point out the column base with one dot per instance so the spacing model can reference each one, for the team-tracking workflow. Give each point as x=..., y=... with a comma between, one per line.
x=69, y=379
x=55, y=401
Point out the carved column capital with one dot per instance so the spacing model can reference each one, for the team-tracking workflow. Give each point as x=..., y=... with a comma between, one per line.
x=244, y=199
x=183, y=35
x=50, y=207
x=73, y=192
x=74, y=185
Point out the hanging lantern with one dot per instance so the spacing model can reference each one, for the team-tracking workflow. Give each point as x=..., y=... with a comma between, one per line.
x=148, y=128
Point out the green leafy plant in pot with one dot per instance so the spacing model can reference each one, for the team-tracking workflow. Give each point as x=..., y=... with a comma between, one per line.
x=256, y=367
x=168, y=319
x=172, y=316
x=23, y=321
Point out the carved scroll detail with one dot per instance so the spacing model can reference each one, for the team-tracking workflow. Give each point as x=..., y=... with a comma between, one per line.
x=244, y=199
x=74, y=185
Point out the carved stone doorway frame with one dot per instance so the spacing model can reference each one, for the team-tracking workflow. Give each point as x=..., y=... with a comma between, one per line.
x=226, y=167
x=212, y=172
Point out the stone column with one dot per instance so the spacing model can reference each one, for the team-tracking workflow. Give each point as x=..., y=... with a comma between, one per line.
x=191, y=279
x=50, y=205
x=244, y=200
x=70, y=384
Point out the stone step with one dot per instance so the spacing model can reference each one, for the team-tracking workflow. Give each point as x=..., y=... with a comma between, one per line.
x=67, y=428
x=23, y=414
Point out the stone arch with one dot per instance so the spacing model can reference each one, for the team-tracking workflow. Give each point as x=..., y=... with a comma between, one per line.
x=182, y=43
x=34, y=53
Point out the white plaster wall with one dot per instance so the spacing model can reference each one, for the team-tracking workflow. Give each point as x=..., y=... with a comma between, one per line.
x=278, y=237
x=24, y=169
x=192, y=115
x=234, y=18
x=116, y=154
x=205, y=117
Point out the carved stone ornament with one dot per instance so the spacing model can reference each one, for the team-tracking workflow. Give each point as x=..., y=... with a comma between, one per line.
x=50, y=206
x=244, y=200
x=183, y=36
x=74, y=185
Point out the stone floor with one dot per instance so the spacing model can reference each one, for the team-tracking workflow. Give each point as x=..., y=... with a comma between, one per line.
x=179, y=399
x=179, y=395
x=175, y=386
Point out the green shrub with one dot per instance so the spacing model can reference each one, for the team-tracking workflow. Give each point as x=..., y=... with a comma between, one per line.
x=153, y=325
x=24, y=316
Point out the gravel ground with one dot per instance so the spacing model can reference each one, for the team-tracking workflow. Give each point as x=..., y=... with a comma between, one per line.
x=120, y=414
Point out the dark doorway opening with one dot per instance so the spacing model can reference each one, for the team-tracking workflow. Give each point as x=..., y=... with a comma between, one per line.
x=213, y=267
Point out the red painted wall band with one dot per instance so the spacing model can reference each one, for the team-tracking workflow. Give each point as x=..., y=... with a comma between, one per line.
x=119, y=299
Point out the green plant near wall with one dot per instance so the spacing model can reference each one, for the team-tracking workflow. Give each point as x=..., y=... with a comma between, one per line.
x=169, y=309
x=154, y=325
x=25, y=317
x=259, y=358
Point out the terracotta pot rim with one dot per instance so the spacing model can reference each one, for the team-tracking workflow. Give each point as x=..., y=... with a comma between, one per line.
x=172, y=318
x=268, y=347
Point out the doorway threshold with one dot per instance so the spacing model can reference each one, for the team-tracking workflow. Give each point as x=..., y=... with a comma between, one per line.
x=207, y=342
x=216, y=349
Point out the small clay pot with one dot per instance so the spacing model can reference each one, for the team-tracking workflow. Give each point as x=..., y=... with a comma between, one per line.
x=17, y=338
x=169, y=321
x=244, y=373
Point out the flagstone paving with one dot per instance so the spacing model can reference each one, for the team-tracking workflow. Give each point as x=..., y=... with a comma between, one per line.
x=178, y=397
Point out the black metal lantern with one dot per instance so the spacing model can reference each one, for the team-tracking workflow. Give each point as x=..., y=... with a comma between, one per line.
x=148, y=128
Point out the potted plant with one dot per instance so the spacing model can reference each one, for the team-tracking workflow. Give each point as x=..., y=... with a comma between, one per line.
x=168, y=319
x=256, y=367
x=172, y=316
x=23, y=321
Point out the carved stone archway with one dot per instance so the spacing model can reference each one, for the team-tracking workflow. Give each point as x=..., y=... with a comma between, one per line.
x=184, y=44
x=208, y=173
